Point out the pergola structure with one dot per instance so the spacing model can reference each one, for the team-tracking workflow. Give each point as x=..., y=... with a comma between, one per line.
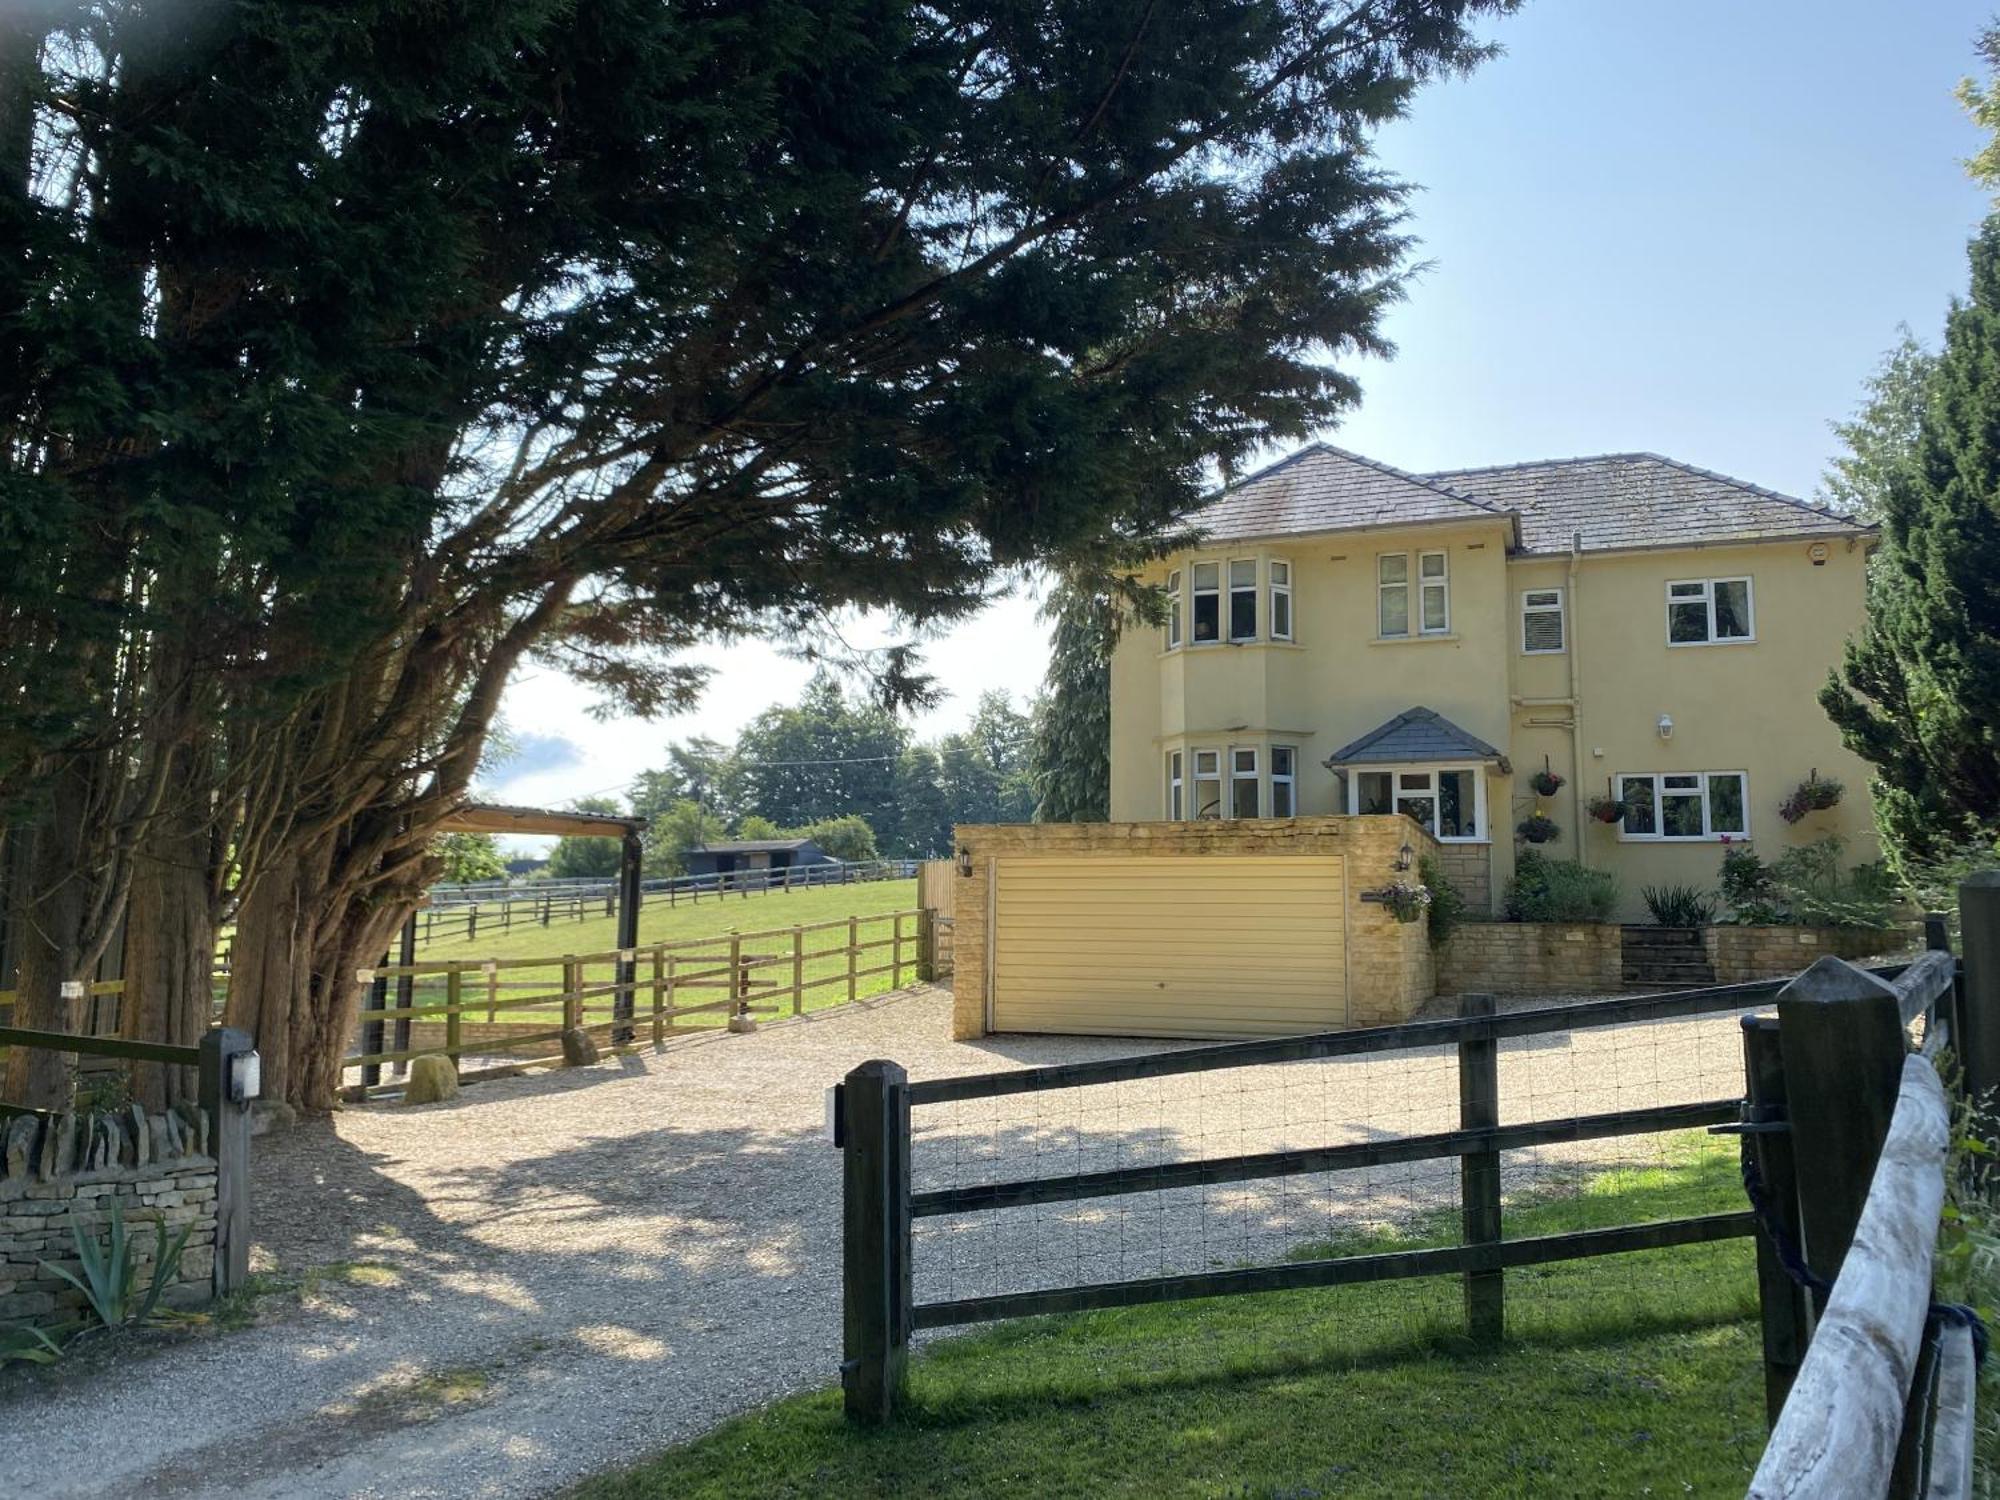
x=493, y=817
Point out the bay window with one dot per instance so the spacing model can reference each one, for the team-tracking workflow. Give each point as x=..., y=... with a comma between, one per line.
x=1243, y=798
x=1281, y=600
x=1173, y=610
x=1449, y=801
x=1176, y=798
x=1207, y=784
x=1243, y=599
x=1284, y=781
x=1207, y=602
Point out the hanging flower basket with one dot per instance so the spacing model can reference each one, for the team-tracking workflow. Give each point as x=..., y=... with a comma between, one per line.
x=1406, y=899
x=1815, y=794
x=1607, y=809
x=1546, y=783
x=1537, y=830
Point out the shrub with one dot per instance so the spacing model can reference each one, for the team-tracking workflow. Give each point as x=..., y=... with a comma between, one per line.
x=108, y=1274
x=1933, y=884
x=1447, y=901
x=1746, y=886
x=1813, y=891
x=1558, y=890
x=1606, y=809
x=1679, y=905
x=1538, y=829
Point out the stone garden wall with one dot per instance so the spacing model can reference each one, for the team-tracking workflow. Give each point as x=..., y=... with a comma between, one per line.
x=1531, y=958
x=1739, y=954
x=72, y=1169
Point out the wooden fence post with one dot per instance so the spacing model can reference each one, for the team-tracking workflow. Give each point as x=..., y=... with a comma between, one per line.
x=875, y=1244
x=853, y=952
x=798, y=970
x=1978, y=1044
x=926, y=945
x=472, y=922
x=229, y=1141
x=372, y=1040
x=1479, y=1172
x=1781, y=1301
x=406, y=991
x=572, y=1001
x=1840, y=1034
x=896, y=955
x=659, y=998
x=454, y=1018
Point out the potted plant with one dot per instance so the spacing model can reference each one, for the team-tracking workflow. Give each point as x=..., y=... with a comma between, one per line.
x=1815, y=794
x=1407, y=900
x=1545, y=782
x=1606, y=809
x=1537, y=829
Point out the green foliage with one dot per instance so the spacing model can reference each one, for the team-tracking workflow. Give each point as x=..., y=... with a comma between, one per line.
x=470, y=857
x=1072, y=730
x=1558, y=890
x=756, y=826
x=1813, y=890
x=849, y=838
x=824, y=757
x=1815, y=794
x=23, y=1344
x=578, y=857
x=1919, y=688
x=1933, y=884
x=1679, y=905
x=1748, y=889
x=108, y=1274
x=1448, y=907
x=673, y=831
x=699, y=770
x=1881, y=437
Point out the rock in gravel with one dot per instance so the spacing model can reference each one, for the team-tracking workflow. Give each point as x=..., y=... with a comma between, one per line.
x=579, y=1048
x=433, y=1080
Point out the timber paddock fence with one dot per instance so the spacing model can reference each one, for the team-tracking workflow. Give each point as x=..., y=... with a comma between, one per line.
x=1825, y=1116
x=518, y=1010
x=469, y=912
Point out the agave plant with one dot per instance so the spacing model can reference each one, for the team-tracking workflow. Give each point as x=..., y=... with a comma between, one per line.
x=109, y=1278
x=29, y=1345
x=1679, y=905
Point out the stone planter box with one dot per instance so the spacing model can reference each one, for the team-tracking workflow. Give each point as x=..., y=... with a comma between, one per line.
x=1587, y=958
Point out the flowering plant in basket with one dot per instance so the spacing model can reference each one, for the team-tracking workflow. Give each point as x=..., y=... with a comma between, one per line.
x=1537, y=829
x=1606, y=809
x=1546, y=783
x=1406, y=899
x=1815, y=794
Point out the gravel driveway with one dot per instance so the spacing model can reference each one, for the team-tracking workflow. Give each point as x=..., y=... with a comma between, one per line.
x=590, y=1264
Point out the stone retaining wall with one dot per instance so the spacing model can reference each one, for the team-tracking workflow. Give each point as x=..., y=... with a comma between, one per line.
x=72, y=1169
x=1531, y=958
x=1586, y=958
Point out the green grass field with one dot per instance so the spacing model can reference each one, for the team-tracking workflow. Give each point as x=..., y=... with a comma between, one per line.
x=712, y=916
x=1636, y=1374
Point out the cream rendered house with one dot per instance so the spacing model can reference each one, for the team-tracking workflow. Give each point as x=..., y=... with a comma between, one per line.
x=1352, y=638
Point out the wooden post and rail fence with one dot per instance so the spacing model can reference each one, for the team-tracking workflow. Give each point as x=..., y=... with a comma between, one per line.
x=501, y=1007
x=1845, y=1127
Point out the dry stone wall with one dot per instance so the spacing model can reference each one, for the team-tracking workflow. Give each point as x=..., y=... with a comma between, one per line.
x=71, y=1170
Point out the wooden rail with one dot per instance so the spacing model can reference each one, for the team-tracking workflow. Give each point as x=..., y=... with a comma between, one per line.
x=1852, y=1130
x=529, y=1003
x=872, y=1112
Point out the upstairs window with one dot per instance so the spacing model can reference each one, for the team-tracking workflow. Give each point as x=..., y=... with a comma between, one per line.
x=1685, y=805
x=1284, y=781
x=1243, y=599
x=1709, y=612
x=1207, y=603
x=1173, y=610
x=1242, y=783
x=1542, y=622
x=1281, y=600
x=1392, y=589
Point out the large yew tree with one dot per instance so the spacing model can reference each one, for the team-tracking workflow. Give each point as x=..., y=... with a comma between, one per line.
x=358, y=351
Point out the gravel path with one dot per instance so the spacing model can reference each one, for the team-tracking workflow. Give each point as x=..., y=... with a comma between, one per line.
x=591, y=1264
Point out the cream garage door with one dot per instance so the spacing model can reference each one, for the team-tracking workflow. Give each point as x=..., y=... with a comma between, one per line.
x=1164, y=945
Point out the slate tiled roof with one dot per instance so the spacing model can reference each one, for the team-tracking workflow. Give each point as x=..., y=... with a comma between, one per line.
x=1622, y=500
x=1416, y=734
x=1323, y=488
x=752, y=846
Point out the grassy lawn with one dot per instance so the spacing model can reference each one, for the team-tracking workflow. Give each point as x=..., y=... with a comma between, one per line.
x=712, y=916
x=1627, y=1375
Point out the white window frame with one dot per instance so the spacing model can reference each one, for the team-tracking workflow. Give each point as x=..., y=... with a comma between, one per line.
x=1709, y=834
x=1195, y=594
x=1482, y=830
x=1176, y=786
x=1174, y=610
x=1255, y=776
x=1442, y=583
x=1195, y=813
x=1288, y=780
x=1707, y=598
x=1231, y=588
x=1560, y=609
x=1281, y=591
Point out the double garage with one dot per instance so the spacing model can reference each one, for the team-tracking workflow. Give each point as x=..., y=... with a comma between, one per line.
x=1183, y=930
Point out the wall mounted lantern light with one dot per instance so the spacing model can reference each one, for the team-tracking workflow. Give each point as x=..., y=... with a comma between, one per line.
x=964, y=861
x=1666, y=727
x=1405, y=857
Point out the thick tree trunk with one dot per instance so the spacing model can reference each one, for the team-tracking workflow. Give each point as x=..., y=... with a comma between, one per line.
x=169, y=953
x=55, y=946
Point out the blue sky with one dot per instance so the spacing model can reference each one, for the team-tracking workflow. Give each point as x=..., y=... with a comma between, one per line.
x=1685, y=227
